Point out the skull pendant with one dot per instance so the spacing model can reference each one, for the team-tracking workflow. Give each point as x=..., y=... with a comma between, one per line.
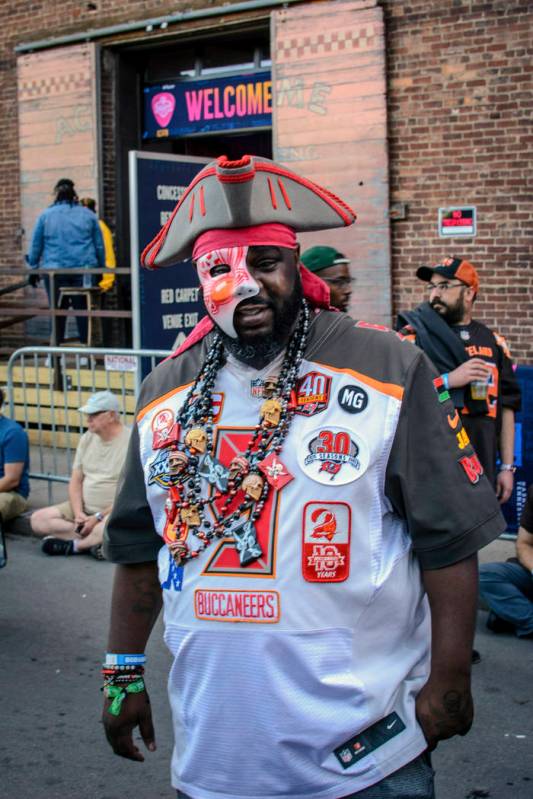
x=238, y=466
x=271, y=412
x=190, y=516
x=252, y=485
x=196, y=439
x=269, y=386
x=177, y=462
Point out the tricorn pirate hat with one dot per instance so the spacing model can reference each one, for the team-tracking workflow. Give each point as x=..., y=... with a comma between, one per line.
x=239, y=194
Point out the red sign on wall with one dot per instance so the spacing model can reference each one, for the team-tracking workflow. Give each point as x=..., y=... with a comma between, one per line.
x=455, y=222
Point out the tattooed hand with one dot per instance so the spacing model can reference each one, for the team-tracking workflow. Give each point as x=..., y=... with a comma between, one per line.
x=444, y=708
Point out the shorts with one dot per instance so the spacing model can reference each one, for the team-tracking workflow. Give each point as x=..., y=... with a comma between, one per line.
x=11, y=504
x=65, y=509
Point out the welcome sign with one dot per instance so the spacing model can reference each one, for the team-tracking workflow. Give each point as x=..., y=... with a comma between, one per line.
x=230, y=103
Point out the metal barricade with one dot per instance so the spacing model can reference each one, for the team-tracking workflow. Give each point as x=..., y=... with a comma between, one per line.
x=47, y=385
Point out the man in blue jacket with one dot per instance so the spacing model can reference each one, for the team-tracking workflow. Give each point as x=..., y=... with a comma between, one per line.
x=67, y=236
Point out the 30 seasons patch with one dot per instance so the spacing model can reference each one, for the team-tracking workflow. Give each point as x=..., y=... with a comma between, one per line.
x=326, y=531
x=333, y=456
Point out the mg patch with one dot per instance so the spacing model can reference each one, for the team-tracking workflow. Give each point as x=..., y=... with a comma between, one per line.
x=352, y=399
x=326, y=533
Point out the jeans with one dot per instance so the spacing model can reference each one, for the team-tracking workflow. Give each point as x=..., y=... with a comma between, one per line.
x=413, y=781
x=68, y=281
x=507, y=588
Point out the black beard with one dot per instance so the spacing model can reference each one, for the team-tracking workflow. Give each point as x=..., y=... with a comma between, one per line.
x=453, y=316
x=260, y=351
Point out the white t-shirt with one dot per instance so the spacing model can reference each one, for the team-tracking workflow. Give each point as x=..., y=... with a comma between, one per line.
x=101, y=463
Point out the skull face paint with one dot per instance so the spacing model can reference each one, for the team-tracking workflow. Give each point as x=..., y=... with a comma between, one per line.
x=224, y=291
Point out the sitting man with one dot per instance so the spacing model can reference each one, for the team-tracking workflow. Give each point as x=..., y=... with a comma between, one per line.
x=507, y=588
x=14, y=466
x=77, y=525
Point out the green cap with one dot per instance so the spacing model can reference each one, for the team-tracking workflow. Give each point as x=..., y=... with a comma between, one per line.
x=321, y=257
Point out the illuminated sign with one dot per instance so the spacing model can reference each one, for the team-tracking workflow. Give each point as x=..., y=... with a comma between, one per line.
x=455, y=222
x=203, y=106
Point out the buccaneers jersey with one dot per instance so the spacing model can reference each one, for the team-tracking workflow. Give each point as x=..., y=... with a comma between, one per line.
x=296, y=675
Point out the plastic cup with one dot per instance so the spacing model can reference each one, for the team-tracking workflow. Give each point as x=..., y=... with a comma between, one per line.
x=479, y=389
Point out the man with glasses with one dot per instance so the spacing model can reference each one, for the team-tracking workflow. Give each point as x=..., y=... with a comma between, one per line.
x=333, y=268
x=77, y=525
x=474, y=363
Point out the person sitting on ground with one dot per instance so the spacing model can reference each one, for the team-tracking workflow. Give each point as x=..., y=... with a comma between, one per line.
x=14, y=467
x=333, y=268
x=77, y=525
x=507, y=588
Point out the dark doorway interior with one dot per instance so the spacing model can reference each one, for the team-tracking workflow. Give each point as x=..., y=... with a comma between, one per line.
x=230, y=52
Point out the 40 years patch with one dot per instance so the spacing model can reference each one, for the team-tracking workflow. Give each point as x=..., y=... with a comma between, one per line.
x=333, y=456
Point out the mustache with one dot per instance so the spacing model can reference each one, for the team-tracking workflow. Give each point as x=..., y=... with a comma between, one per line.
x=254, y=301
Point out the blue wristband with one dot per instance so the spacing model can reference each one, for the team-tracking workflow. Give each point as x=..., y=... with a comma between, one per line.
x=124, y=660
x=446, y=380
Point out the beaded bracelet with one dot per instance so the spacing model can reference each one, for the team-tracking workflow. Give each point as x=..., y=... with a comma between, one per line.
x=121, y=668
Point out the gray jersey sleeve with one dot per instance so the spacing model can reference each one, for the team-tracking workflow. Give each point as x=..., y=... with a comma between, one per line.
x=434, y=479
x=130, y=535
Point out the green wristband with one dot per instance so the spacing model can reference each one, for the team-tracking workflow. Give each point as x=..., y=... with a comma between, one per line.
x=118, y=694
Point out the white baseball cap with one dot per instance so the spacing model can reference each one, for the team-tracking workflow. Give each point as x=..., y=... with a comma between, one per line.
x=101, y=401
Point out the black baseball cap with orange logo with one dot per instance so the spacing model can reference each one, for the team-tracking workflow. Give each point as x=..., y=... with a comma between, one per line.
x=451, y=268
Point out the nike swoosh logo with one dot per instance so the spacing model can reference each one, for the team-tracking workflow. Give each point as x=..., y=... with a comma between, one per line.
x=453, y=421
x=391, y=725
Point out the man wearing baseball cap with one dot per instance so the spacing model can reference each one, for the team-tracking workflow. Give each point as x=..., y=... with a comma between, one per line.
x=76, y=526
x=291, y=536
x=333, y=268
x=473, y=361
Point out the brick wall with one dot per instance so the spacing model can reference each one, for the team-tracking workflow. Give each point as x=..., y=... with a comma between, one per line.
x=459, y=97
x=458, y=80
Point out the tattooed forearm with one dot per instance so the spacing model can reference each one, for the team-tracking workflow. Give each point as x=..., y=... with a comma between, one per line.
x=137, y=600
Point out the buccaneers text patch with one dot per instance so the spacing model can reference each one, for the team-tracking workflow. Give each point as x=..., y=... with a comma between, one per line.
x=214, y=604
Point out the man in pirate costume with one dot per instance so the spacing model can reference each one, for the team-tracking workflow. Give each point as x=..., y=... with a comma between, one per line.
x=302, y=537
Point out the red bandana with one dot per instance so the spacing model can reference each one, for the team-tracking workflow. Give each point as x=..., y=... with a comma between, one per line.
x=272, y=234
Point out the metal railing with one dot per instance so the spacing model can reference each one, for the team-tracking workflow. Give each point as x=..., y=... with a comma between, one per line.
x=15, y=313
x=49, y=413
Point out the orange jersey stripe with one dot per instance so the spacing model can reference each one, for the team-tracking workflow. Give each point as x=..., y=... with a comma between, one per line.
x=147, y=408
x=391, y=389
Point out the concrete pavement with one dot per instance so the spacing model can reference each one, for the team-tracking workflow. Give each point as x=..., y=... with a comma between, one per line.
x=53, y=624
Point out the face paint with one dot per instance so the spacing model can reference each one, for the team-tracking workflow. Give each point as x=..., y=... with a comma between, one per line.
x=224, y=291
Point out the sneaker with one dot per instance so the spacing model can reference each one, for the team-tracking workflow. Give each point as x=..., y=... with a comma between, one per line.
x=56, y=546
x=497, y=625
x=97, y=552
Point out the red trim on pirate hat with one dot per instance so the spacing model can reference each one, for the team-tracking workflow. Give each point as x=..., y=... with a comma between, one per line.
x=246, y=193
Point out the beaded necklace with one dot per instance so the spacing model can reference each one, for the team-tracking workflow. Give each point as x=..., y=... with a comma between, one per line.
x=238, y=494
